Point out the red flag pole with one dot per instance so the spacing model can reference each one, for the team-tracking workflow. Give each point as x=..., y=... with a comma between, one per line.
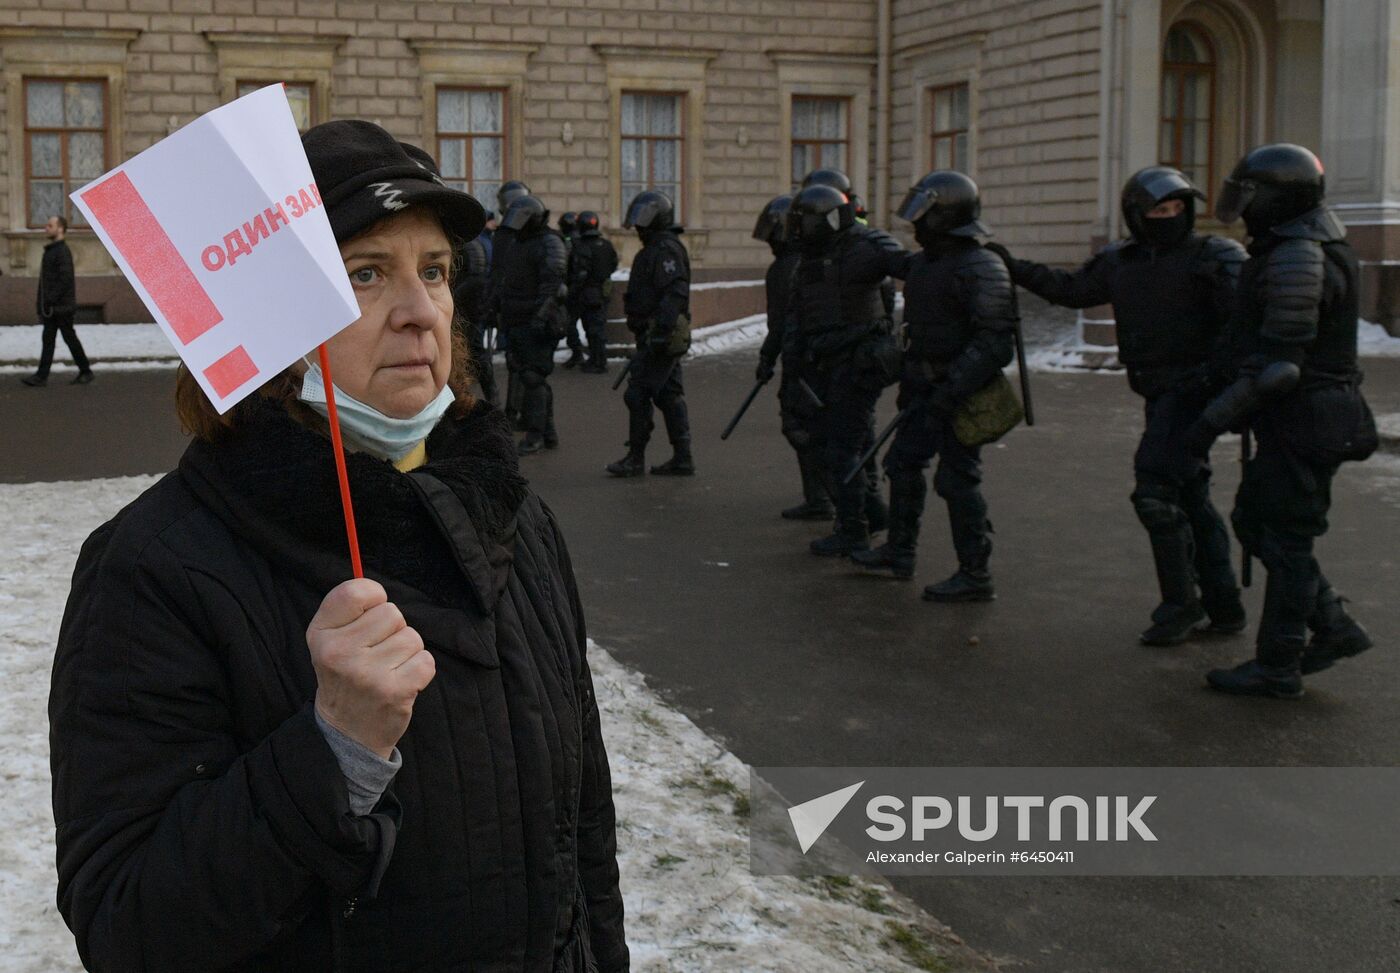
x=350, y=535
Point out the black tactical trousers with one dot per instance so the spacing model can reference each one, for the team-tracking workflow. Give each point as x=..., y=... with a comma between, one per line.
x=572, y=313
x=958, y=480
x=838, y=434
x=531, y=353
x=1280, y=510
x=595, y=330
x=1172, y=499
x=54, y=325
x=655, y=380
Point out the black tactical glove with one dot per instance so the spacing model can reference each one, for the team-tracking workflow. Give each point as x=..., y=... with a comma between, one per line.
x=659, y=344
x=764, y=373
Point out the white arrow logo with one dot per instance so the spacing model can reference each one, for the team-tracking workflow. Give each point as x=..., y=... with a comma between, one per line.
x=810, y=819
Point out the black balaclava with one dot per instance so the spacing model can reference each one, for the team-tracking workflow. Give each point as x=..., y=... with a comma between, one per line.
x=1167, y=231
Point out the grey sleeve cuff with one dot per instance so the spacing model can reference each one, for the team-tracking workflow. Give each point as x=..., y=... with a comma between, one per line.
x=367, y=775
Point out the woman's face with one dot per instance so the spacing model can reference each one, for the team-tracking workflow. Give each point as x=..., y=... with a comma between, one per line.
x=397, y=356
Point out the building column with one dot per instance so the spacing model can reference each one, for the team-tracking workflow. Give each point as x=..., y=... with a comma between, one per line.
x=1361, y=142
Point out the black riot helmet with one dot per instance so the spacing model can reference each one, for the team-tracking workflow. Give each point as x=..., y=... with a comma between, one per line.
x=1271, y=185
x=771, y=227
x=509, y=193
x=568, y=222
x=834, y=178
x=526, y=215
x=944, y=203
x=588, y=224
x=1147, y=189
x=650, y=210
x=817, y=214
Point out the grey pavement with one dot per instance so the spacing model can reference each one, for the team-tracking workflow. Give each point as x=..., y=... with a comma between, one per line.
x=795, y=661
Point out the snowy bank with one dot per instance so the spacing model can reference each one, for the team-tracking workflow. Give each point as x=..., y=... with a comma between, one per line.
x=692, y=904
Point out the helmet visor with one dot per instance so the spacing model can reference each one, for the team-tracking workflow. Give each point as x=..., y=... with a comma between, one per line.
x=1235, y=197
x=1164, y=184
x=916, y=203
x=518, y=218
x=641, y=213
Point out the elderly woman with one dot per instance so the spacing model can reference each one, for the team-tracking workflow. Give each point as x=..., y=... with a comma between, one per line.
x=259, y=765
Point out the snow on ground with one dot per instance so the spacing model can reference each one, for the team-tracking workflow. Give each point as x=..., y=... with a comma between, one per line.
x=1373, y=341
x=692, y=904
x=120, y=346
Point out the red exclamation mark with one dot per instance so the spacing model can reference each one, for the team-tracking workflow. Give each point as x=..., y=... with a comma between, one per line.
x=178, y=295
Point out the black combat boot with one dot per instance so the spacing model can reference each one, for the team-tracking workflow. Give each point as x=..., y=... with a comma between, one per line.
x=1336, y=635
x=633, y=464
x=816, y=505
x=532, y=443
x=896, y=555
x=1226, y=611
x=968, y=584
x=968, y=523
x=680, y=464
x=1275, y=672
x=852, y=533
x=594, y=366
x=1180, y=612
x=575, y=357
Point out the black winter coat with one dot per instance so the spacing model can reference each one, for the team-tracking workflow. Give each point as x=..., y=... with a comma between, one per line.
x=203, y=821
x=58, y=294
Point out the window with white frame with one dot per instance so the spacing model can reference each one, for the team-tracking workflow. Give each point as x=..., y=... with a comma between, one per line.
x=949, y=126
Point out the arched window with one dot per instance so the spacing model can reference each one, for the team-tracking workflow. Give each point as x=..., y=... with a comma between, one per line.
x=1188, y=105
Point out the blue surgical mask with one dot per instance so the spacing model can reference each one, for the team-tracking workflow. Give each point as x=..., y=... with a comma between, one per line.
x=364, y=427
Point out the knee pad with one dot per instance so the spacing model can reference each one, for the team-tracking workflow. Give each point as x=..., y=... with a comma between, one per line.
x=1276, y=549
x=635, y=397
x=1158, y=507
x=531, y=379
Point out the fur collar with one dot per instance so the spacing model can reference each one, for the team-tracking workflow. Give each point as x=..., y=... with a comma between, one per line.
x=275, y=479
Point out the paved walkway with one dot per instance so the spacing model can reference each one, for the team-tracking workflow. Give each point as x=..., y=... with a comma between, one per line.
x=794, y=661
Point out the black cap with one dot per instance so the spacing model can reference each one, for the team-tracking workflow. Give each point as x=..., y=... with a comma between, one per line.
x=365, y=174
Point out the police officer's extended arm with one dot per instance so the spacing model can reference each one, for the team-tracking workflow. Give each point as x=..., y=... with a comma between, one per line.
x=987, y=290
x=1088, y=286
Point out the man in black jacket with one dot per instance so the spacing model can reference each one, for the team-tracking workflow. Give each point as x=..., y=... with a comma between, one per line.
x=780, y=344
x=591, y=265
x=845, y=350
x=1171, y=291
x=57, y=302
x=959, y=327
x=657, y=303
x=529, y=303
x=1297, y=387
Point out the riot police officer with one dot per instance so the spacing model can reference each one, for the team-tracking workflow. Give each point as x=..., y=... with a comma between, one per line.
x=591, y=266
x=500, y=246
x=657, y=303
x=844, y=344
x=780, y=344
x=529, y=305
x=1171, y=290
x=568, y=232
x=1297, y=388
x=959, y=333
x=468, y=293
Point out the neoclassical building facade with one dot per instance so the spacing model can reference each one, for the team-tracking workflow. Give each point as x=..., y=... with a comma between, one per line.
x=1049, y=104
